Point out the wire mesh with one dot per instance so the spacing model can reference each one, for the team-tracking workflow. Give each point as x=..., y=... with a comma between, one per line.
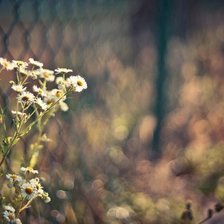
x=28, y=30
x=47, y=30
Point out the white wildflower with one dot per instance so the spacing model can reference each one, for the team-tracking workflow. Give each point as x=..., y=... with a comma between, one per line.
x=76, y=82
x=35, y=63
x=14, y=180
x=18, y=87
x=61, y=82
x=63, y=70
x=26, y=97
x=56, y=97
x=28, y=170
x=49, y=99
x=28, y=191
x=6, y=64
x=58, y=94
x=47, y=74
x=36, y=183
x=19, y=64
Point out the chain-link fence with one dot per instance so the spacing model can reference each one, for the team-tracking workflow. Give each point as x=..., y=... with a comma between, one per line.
x=56, y=31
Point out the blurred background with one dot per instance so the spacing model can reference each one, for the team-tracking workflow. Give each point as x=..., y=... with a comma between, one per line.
x=146, y=137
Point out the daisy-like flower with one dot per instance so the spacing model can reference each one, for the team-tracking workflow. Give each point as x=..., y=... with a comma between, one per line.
x=35, y=63
x=18, y=87
x=28, y=191
x=49, y=99
x=63, y=70
x=47, y=74
x=28, y=170
x=76, y=82
x=56, y=96
x=41, y=103
x=40, y=91
x=26, y=97
x=58, y=93
x=36, y=183
x=71, y=82
x=19, y=64
x=6, y=64
x=14, y=180
x=60, y=81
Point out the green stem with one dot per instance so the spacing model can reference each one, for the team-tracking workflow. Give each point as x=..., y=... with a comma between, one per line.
x=15, y=136
x=26, y=205
x=18, y=134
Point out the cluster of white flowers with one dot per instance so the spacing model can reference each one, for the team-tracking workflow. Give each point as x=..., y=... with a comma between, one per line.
x=40, y=96
x=39, y=92
x=27, y=188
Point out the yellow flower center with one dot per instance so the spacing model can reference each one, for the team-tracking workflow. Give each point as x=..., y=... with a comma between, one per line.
x=19, y=63
x=79, y=83
x=29, y=190
x=46, y=75
x=5, y=64
x=13, y=176
x=58, y=94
